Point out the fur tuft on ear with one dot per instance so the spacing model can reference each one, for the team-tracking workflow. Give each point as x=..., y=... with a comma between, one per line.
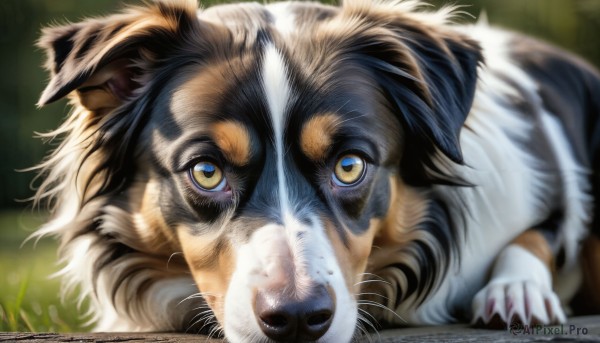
x=98, y=57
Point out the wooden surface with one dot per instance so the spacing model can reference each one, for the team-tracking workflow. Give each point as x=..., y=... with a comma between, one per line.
x=582, y=329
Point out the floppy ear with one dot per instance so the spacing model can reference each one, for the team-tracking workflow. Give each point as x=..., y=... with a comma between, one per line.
x=435, y=95
x=425, y=68
x=433, y=100
x=100, y=58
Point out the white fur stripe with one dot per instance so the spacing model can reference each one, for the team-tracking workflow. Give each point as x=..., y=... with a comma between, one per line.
x=277, y=91
x=284, y=17
x=575, y=193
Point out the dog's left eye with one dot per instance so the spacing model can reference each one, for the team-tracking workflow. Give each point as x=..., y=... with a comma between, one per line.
x=349, y=170
x=208, y=176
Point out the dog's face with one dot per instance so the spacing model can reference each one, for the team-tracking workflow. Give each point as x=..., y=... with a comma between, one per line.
x=271, y=158
x=282, y=196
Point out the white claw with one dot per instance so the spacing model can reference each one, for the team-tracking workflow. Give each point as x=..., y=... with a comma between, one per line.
x=534, y=305
x=520, y=289
x=519, y=300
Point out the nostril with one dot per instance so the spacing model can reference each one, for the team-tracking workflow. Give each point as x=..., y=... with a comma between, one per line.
x=319, y=318
x=278, y=322
x=277, y=326
x=315, y=324
x=275, y=320
x=318, y=314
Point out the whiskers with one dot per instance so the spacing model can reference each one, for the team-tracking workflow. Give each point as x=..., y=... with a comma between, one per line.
x=367, y=321
x=178, y=253
x=205, y=318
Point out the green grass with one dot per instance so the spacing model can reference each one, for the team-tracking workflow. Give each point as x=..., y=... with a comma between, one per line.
x=29, y=299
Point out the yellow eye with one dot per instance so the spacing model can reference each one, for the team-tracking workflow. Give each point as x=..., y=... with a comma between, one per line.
x=208, y=176
x=349, y=170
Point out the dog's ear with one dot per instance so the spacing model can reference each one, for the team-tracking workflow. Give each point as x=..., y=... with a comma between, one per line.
x=436, y=94
x=430, y=78
x=100, y=58
x=425, y=68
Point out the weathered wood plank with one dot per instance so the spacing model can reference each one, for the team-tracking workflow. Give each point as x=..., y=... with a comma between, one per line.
x=582, y=329
x=104, y=337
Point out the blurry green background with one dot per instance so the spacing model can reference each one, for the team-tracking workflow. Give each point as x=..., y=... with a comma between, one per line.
x=28, y=300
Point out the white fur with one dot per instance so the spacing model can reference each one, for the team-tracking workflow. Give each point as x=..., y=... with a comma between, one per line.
x=505, y=181
x=285, y=20
x=576, y=207
x=510, y=193
x=277, y=91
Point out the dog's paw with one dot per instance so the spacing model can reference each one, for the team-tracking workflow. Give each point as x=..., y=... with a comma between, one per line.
x=502, y=304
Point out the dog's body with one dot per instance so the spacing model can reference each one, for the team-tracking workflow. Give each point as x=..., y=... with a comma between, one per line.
x=316, y=168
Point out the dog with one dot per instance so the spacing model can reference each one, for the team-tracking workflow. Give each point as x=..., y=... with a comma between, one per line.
x=303, y=172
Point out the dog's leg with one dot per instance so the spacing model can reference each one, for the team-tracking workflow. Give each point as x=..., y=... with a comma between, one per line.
x=520, y=287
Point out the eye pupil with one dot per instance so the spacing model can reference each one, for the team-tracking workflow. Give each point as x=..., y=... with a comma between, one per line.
x=209, y=171
x=348, y=164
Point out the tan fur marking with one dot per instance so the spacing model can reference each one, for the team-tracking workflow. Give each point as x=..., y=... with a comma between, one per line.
x=102, y=97
x=151, y=225
x=98, y=99
x=353, y=257
x=317, y=134
x=212, y=262
x=233, y=139
x=534, y=242
x=408, y=207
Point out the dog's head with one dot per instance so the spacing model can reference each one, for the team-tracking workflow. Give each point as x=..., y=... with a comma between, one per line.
x=273, y=146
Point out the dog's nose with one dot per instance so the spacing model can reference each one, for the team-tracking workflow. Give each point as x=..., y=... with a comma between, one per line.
x=284, y=318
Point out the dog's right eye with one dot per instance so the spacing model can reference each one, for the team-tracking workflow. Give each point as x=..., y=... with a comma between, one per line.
x=208, y=177
x=349, y=170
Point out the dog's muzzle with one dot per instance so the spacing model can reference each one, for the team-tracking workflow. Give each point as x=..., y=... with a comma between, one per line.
x=288, y=287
